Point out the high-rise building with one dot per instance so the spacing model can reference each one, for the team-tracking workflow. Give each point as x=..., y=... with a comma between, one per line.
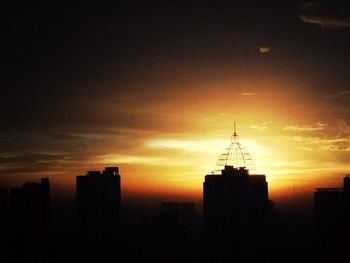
x=29, y=221
x=174, y=229
x=332, y=207
x=3, y=221
x=236, y=207
x=98, y=213
x=98, y=202
x=332, y=217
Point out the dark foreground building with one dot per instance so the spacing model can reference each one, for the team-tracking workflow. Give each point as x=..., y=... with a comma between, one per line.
x=237, y=212
x=332, y=219
x=98, y=212
x=26, y=213
x=175, y=232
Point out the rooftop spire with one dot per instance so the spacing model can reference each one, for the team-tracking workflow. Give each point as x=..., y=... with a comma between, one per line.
x=234, y=155
x=234, y=137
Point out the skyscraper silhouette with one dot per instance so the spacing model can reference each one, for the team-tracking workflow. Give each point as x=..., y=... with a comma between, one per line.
x=236, y=213
x=98, y=211
x=29, y=222
x=236, y=208
x=332, y=217
x=175, y=232
x=3, y=222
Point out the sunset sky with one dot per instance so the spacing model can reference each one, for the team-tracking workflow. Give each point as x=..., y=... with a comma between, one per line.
x=155, y=89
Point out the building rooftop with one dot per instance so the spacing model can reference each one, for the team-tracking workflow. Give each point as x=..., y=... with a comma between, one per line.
x=234, y=155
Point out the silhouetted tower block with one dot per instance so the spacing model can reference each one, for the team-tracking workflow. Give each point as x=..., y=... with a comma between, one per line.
x=237, y=211
x=189, y=239
x=98, y=202
x=167, y=225
x=332, y=215
x=347, y=202
x=37, y=203
x=187, y=214
x=170, y=215
x=329, y=208
x=29, y=220
x=174, y=231
x=3, y=202
x=346, y=181
x=3, y=221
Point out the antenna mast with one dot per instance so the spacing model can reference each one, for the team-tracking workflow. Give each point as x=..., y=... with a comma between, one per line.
x=234, y=155
x=234, y=137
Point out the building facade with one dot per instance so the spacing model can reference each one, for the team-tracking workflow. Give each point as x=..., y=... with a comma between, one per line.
x=98, y=201
x=237, y=212
x=332, y=217
x=26, y=216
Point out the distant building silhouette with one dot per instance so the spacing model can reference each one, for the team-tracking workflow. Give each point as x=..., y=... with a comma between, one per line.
x=3, y=221
x=175, y=231
x=169, y=215
x=237, y=211
x=98, y=211
x=28, y=213
x=98, y=200
x=174, y=215
x=188, y=214
x=332, y=217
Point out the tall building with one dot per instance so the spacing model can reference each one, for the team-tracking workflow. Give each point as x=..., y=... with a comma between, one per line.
x=332, y=208
x=332, y=217
x=29, y=221
x=174, y=229
x=3, y=221
x=236, y=208
x=98, y=202
x=98, y=214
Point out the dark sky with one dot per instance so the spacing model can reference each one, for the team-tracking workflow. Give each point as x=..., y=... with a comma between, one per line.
x=58, y=53
x=76, y=74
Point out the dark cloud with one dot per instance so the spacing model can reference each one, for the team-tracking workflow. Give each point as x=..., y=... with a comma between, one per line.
x=328, y=15
x=33, y=162
x=31, y=158
x=63, y=136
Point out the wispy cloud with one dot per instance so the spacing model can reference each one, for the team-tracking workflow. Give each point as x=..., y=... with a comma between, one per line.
x=254, y=94
x=132, y=159
x=343, y=126
x=260, y=126
x=326, y=16
x=188, y=145
x=301, y=128
x=249, y=94
x=339, y=94
x=308, y=149
x=264, y=50
x=37, y=162
x=340, y=144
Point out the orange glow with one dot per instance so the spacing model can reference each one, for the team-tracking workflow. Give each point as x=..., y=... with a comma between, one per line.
x=287, y=134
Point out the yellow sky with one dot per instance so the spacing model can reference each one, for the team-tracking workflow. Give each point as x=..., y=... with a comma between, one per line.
x=288, y=135
x=165, y=143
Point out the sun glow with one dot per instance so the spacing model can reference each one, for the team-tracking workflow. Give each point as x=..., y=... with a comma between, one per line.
x=179, y=161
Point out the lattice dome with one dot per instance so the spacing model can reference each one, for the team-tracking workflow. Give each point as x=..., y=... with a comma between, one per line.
x=234, y=155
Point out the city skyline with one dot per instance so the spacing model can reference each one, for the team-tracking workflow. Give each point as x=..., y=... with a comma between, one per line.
x=155, y=89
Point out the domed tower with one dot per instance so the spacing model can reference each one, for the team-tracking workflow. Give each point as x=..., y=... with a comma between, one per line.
x=236, y=208
x=234, y=155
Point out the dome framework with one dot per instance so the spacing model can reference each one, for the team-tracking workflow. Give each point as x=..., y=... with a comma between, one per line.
x=234, y=155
